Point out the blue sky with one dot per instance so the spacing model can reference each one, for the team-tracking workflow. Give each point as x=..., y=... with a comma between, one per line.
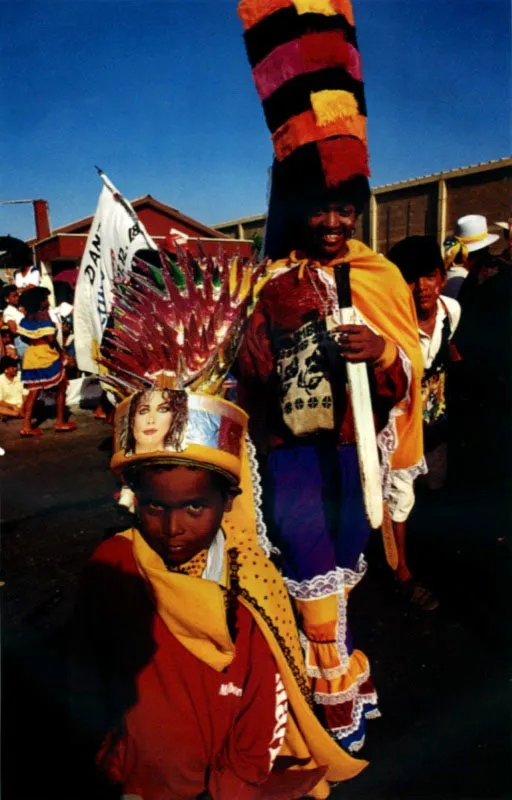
x=160, y=95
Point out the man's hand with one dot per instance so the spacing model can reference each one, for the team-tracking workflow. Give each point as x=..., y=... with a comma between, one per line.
x=358, y=343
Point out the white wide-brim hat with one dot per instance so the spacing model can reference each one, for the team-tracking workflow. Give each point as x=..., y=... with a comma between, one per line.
x=472, y=230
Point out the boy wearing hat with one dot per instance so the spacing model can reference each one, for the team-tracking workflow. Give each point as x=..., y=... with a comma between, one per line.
x=420, y=261
x=188, y=659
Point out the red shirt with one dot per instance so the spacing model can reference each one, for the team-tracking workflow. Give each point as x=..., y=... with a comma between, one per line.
x=175, y=726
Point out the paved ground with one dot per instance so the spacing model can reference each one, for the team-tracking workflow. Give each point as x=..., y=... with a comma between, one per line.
x=442, y=676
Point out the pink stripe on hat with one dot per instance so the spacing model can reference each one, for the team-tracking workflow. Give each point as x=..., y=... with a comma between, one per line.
x=310, y=53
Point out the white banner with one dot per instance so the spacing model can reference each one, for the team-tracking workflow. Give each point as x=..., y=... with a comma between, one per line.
x=115, y=236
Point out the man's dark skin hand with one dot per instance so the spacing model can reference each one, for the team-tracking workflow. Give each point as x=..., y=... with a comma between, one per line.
x=358, y=343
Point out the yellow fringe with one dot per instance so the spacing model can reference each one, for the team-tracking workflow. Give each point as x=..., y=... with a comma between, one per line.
x=315, y=7
x=330, y=105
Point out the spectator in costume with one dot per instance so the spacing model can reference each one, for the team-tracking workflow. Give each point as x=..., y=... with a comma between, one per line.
x=420, y=261
x=187, y=658
x=291, y=365
x=43, y=365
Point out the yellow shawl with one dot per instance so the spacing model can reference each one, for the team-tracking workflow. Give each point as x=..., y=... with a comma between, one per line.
x=382, y=296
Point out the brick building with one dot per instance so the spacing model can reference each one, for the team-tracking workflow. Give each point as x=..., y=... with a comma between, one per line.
x=428, y=205
x=62, y=248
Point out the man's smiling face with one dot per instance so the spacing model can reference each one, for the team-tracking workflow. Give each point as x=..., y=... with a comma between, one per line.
x=329, y=226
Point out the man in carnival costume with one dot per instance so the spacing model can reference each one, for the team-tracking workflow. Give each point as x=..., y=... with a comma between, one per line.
x=184, y=627
x=295, y=357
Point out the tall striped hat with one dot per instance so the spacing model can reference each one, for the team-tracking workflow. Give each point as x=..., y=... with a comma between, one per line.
x=307, y=70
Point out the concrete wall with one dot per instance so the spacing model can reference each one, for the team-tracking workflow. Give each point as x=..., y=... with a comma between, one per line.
x=425, y=206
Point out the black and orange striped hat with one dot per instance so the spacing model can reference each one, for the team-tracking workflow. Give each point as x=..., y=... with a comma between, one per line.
x=307, y=70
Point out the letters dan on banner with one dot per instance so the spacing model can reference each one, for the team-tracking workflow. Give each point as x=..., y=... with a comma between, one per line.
x=114, y=238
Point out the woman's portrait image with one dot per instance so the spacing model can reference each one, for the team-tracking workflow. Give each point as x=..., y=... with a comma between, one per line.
x=157, y=421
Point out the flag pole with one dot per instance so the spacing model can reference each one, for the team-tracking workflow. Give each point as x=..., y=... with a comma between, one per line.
x=127, y=206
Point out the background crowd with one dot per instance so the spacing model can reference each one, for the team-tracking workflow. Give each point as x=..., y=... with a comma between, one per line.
x=462, y=298
x=37, y=351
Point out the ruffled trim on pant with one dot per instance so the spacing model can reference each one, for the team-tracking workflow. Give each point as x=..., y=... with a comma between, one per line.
x=342, y=689
x=346, y=722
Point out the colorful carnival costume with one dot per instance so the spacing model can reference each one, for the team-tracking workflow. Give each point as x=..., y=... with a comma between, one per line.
x=307, y=71
x=201, y=664
x=42, y=365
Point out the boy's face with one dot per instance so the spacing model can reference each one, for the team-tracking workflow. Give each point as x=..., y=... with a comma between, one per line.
x=180, y=511
x=13, y=298
x=426, y=290
x=11, y=372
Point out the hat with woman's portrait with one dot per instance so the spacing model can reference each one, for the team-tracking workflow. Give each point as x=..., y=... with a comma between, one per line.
x=174, y=334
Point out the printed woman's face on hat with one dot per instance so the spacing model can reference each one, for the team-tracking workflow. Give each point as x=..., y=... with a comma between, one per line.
x=151, y=421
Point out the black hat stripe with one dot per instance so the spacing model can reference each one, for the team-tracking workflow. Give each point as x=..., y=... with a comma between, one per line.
x=286, y=25
x=294, y=96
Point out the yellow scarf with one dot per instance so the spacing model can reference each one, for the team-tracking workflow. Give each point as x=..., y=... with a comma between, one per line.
x=385, y=301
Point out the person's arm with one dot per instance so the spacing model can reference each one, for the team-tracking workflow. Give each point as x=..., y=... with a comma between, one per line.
x=255, y=360
x=391, y=382
x=254, y=371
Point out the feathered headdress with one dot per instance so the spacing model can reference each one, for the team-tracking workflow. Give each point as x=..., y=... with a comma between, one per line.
x=174, y=332
x=307, y=70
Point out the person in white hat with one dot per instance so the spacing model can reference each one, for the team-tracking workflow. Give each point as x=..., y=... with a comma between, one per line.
x=467, y=248
x=484, y=391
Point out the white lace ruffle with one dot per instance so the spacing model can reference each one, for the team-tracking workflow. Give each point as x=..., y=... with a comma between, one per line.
x=357, y=715
x=341, y=644
x=355, y=747
x=261, y=529
x=411, y=473
x=324, y=699
x=329, y=583
x=336, y=581
x=387, y=439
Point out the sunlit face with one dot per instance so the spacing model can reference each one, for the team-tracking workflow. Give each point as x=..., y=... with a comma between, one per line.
x=151, y=422
x=180, y=511
x=329, y=227
x=426, y=290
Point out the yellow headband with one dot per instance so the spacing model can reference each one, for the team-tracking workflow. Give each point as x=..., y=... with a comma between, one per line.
x=470, y=239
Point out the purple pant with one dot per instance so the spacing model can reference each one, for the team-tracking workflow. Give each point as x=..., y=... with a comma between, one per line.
x=314, y=509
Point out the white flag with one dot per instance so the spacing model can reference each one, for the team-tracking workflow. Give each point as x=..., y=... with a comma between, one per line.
x=115, y=236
